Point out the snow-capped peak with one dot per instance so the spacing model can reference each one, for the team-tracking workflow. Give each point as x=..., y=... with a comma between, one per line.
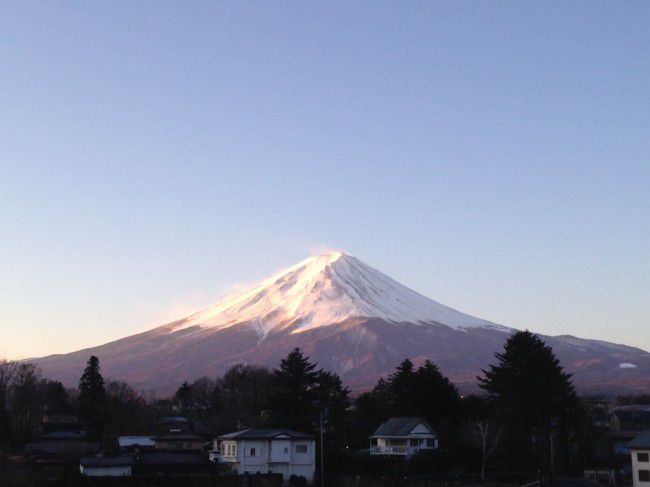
x=324, y=290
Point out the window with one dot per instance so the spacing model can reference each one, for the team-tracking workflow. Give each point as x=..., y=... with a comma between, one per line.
x=644, y=475
x=286, y=450
x=251, y=452
x=301, y=448
x=643, y=457
x=430, y=443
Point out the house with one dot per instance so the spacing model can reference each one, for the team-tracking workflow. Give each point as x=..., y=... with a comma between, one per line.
x=174, y=424
x=61, y=418
x=640, y=451
x=635, y=417
x=53, y=455
x=180, y=442
x=278, y=451
x=121, y=466
x=70, y=444
x=403, y=436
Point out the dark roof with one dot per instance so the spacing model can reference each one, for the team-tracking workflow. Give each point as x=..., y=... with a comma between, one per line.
x=171, y=458
x=400, y=426
x=121, y=461
x=262, y=434
x=62, y=448
x=174, y=419
x=63, y=435
x=179, y=437
x=567, y=483
x=640, y=442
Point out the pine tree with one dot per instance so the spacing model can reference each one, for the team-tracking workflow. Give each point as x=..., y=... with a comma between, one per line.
x=533, y=395
x=294, y=395
x=183, y=396
x=401, y=385
x=434, y=396
x=92, y=396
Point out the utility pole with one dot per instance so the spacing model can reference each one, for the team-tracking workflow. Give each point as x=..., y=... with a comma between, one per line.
x=552, y=463
x=322, y=454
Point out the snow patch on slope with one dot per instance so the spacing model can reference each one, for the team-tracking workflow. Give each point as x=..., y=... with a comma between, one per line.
x=325, y=290
x=626, y=365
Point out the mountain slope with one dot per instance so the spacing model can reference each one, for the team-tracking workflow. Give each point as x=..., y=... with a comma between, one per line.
x=349, y=317
x=325, y=290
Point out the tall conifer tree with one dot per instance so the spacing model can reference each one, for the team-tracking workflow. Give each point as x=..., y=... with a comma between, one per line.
x=92, y=396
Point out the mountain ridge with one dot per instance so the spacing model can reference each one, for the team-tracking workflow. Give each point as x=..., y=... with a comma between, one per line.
x=353, y=320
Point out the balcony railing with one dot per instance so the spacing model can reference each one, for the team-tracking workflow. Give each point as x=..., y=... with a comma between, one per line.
x=398, y=450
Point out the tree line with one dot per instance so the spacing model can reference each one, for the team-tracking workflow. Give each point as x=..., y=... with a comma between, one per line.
x=528, y=408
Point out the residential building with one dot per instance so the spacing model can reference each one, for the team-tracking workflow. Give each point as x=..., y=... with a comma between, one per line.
x=278, y=451
x=403, y=436
x=640, y=451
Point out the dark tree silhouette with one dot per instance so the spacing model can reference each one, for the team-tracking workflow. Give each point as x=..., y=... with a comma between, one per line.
x=294, y=392
x=6, y=376
x=183, y=396
x=534, y=397
x=92, y=396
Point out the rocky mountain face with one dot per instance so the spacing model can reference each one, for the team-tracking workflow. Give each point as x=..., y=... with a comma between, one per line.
x=352, y=320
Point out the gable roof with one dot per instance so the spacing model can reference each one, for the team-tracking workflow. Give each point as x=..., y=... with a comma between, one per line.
x=264, y=434
x=400, y=426
x=640, y=442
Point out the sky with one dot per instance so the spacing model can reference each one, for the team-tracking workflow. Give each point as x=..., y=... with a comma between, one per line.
x=157, y=156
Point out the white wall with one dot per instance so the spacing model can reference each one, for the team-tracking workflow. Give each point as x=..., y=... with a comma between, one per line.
x=280, y=451
x=253, y=463
x=637, y=465
x=303, y=458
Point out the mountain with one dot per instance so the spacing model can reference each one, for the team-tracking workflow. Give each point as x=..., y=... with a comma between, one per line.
x=352, y=320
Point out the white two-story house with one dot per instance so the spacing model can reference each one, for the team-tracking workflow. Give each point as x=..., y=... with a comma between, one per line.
x=268, y=450
x=403, y=437
x=640, y=451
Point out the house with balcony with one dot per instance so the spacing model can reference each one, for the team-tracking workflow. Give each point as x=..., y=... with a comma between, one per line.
x=278, y=451
x=403, y=436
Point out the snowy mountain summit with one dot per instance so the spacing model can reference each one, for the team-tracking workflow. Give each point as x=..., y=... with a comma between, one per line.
x=325, y=290
x=349, y=318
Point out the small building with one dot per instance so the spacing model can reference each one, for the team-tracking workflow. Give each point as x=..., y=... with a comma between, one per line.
x=121, y=466
x=59, y=419
x=180, y=442
x=640, y=451
x=403, y=436
x=277, y=451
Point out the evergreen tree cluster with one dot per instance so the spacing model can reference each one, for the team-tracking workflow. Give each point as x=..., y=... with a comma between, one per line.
x=529, y=408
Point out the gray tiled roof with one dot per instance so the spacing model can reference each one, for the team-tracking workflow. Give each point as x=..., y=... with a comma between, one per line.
x=121, y=461
x=261, y=434
x=401, y=426
x=641, y=441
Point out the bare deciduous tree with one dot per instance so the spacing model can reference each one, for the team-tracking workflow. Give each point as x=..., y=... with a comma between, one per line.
x=487, y=435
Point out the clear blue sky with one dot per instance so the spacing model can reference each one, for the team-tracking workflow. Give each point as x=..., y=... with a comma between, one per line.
x=494, y=156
